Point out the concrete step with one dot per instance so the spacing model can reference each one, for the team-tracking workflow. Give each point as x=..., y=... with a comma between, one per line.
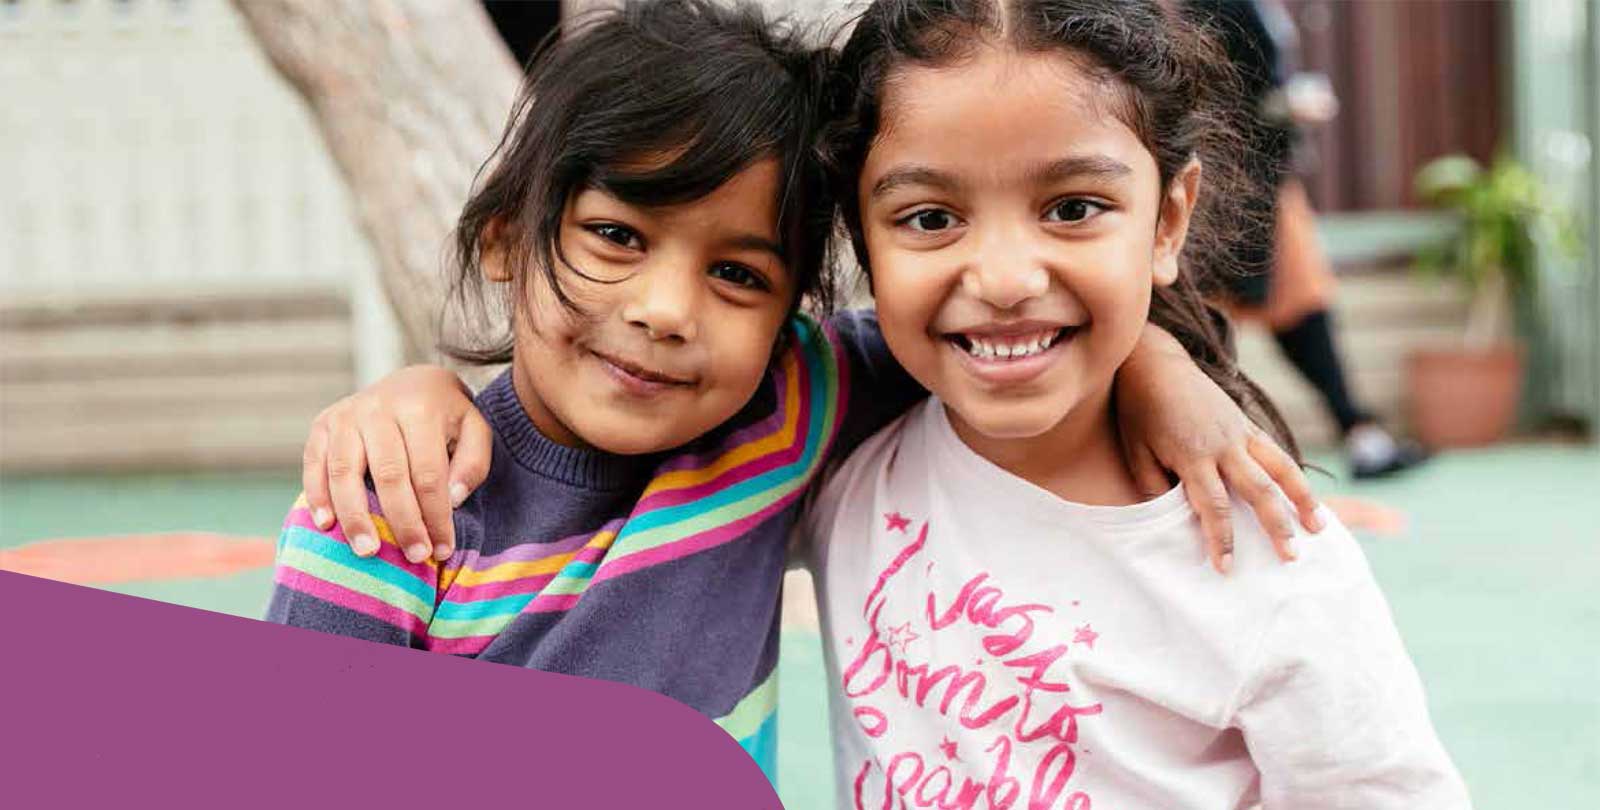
x=167, y=302
x=224, y=441
x=151, y=350
x=196, y=396
x=1381, y=298
x=1378, y=319
x=150, y=379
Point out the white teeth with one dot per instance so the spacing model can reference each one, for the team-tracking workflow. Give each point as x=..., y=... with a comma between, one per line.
x=984, y=349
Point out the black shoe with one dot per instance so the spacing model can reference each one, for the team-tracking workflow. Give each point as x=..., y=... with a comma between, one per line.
x=1374, y=453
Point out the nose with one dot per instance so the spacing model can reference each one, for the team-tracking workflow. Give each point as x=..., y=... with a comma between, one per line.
x=664, y=302
x=1006, y=272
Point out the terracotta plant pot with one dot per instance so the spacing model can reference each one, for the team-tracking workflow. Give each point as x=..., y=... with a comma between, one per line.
x=1463, y=397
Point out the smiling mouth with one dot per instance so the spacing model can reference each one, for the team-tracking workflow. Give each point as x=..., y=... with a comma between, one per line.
x=1010, y=347
x=638, y=372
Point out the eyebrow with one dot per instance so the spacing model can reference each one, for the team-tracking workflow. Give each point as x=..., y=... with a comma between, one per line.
x=914, y=175
x=1093, y=167
x=1098, y=167
x=750, y=241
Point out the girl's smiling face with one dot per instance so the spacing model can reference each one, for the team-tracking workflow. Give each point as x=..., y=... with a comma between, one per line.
x=1014, y=228
x=678, y=309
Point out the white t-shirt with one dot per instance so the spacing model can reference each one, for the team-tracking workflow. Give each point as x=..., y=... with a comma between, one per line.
x=993, y=646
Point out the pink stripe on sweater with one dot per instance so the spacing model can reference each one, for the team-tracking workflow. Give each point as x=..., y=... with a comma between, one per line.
x=523, y=585
x=693, y=543
x=467, y=645
x=551, y=603
x=750, y=469
x=753, y=432
x=362, y=603
x=387, y=552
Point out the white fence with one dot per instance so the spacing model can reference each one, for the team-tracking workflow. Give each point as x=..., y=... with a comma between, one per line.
x=149, y=153
x=149, y=140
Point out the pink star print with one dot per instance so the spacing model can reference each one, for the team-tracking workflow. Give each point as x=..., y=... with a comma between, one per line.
x=897, y=522
x=1085, y=636
x=949, y=748
x=901, y=636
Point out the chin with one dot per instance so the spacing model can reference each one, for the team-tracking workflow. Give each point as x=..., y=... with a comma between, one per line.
x=1011, y=421
x=624, y=442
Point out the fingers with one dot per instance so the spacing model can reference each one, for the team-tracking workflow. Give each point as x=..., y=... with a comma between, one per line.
x=314, y=475
x=469, y=463
x=1148, y=473
x=1246, y=478
x=391, y=476
x=1288, y=477
x=429, y=470
x=347, y=467
x=1203, y=487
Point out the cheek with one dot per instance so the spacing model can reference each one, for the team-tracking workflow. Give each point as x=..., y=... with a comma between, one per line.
x=742, y=350
x=1119, y=305
x=545, y=315
x=907, y=303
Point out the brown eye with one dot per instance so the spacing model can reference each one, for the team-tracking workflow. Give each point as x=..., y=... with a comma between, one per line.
x=929, y=220
x=619, y=235
x=738, y=275
x=1073, y=209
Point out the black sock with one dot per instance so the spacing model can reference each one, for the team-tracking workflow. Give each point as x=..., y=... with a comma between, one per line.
x=1309, y=346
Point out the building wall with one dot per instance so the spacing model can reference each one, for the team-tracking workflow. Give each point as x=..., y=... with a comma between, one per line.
x=166, y=205
x=1557, y=79
x=1415, y=80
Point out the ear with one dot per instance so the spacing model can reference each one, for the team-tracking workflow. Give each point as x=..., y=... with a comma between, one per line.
x=493, y=250
x=1172, y=226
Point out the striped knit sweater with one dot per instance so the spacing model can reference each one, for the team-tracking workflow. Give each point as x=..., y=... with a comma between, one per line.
x=663, y=572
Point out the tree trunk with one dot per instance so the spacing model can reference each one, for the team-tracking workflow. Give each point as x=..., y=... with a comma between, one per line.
x=411, y=97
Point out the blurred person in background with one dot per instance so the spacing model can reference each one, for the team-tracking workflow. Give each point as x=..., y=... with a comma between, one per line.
x=523, y=25
x=1288, y=284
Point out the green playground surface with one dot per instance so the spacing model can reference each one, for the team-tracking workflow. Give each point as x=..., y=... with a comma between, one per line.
x=1493, y=585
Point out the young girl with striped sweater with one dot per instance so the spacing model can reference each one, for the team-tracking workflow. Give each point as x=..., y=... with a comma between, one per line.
x=651, y=223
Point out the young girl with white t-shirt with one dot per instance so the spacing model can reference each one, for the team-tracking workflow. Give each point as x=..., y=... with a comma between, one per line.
x=1006, y=624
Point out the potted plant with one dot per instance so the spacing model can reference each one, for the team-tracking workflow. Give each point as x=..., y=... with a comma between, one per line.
x=1467, y=396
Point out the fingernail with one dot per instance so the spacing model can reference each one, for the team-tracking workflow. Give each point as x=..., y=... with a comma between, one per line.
x=458, y=493
x=322, y=518
x=364, y=545
x=1318, y=522
x=417, y=552
x=1227, y=564
x=1289, y=546
x=441, y=552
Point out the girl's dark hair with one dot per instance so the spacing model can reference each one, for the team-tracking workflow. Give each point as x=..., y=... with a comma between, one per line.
x=1179, y=95
x=707, y=87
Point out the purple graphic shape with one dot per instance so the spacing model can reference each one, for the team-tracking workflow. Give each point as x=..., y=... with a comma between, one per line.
x=117, y=701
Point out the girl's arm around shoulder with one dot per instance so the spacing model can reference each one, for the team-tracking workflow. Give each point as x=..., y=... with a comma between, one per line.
x=320, y=583
x=873, y=387
x=1173, y=417
x=1333, y=710
x=833, y=508
x=425, y=446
